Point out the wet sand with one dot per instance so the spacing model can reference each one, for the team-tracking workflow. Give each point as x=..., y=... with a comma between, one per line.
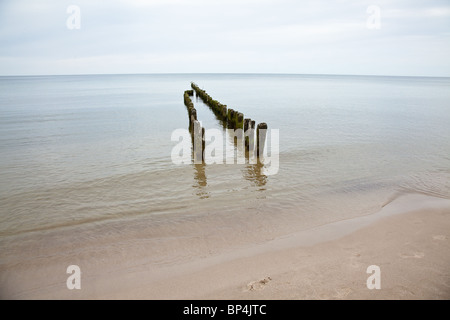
x=409, y=239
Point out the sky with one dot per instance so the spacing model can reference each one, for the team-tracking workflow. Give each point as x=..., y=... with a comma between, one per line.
x=375, y=37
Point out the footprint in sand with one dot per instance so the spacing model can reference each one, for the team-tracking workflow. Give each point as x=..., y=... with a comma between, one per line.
x=354, y=260
x=416, y=255
x=440, y=237
x=342, y=293
x=402, y=291
x=258, y=285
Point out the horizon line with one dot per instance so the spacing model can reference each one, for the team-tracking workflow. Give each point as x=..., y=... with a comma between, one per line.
x=224, y=73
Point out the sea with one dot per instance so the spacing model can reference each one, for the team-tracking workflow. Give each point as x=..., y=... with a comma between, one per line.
x=83, y=151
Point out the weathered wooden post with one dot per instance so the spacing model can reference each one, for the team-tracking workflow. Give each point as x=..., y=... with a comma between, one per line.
x=261, y=132
x=198, y=142
x=193, y=112
x=203, y=144
x=251, y=137
x=224, y=112
x=239, y=120
x=192, y=117
x=230, y=118
x=247, y=124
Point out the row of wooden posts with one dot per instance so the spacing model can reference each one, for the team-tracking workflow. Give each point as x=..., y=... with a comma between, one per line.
x=230, y=118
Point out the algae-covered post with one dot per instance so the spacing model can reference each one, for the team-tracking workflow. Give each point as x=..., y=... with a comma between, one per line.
x=246, y=127
x=251, y=138
x=247, y=123
x=249, y=133
x=239, y=120
x=230, y=118
x=224, y=113
x=261, y=132
x=192, y=113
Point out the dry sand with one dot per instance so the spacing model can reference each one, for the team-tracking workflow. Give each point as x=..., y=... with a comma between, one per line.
x=409, y=239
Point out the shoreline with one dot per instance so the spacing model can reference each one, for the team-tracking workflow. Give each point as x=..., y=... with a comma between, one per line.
x=409, y=239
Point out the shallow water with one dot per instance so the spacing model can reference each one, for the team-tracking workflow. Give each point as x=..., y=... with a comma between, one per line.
x=82, y=150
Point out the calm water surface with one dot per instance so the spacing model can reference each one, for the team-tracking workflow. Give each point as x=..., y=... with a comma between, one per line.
x=78, y=150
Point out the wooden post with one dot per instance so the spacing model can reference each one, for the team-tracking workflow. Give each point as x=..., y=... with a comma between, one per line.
x=192, y=118
x=230, y=118
x=261, y=132
x=239, y=120
x=203, y=143
x=249, y=142
x=246, y=132
x=194, y=113
x=251, y=138
x=198, y=143
x=224, y=112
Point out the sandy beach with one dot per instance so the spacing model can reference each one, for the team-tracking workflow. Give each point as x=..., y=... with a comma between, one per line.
x=408, y=239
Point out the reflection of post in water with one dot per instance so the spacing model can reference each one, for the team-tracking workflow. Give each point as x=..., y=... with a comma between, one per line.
x=253, y=174
x=200, y=180
x=249, y=136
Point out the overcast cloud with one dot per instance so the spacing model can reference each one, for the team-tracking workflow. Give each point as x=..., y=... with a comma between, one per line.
x=257, y=36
